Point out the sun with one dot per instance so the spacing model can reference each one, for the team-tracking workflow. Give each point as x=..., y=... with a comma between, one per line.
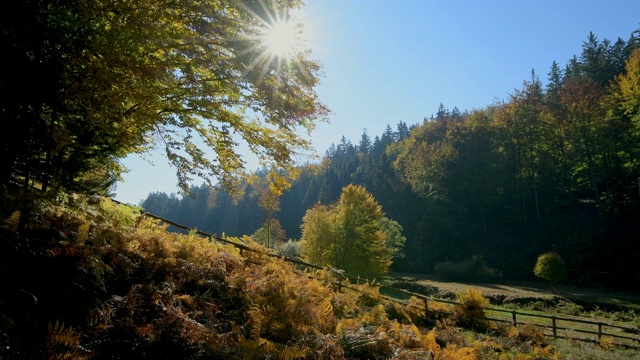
x=283, y=38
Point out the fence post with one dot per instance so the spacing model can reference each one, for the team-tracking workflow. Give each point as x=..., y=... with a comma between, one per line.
x=426, y=307
x=513, y=316
x=599, y=331
x=553, y=323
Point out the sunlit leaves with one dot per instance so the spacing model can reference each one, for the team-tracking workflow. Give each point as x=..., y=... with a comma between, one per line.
x=189, y=78
x=626, y=89
x=319, y=241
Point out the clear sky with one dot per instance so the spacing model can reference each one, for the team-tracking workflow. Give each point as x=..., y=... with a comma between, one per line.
x=391, y=61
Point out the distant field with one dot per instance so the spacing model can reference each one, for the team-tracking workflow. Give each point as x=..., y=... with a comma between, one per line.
x=506, y=291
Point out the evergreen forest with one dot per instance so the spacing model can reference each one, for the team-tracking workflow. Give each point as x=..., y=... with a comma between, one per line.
x=554, y=167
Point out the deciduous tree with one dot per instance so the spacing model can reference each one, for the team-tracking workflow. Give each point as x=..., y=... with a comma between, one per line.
x=320, y=242
x=90, y=82
x=270, y=202
x=626, y=89
x=550, y=267
x=353, y=235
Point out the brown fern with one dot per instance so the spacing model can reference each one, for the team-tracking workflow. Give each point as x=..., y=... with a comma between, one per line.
x=64, y=343
x=11, y=223
x=83, y=231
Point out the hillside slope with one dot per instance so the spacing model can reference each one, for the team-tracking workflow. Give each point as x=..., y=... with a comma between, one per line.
x=90, y=279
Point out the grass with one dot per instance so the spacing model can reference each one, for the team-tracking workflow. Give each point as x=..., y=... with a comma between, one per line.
x=580, y=350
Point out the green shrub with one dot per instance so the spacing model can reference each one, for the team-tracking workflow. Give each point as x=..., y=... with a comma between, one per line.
x=471, y=270
x=550, y=267
x=290, y=249
x=569, y=308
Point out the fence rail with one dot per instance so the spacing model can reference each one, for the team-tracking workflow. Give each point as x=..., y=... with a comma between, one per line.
x=555, y=328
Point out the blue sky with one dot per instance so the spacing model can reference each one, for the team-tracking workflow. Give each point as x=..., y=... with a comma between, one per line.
x=391, y=61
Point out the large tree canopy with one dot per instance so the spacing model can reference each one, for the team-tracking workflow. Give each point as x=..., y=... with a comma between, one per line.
x=88, y=82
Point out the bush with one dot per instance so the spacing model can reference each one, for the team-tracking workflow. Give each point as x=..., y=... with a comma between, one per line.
x=550, y=267
x=471, y=270
x=470, y=312
x=290, y=249
x=569, y=308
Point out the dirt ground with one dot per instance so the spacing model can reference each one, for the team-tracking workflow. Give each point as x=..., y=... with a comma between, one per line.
x=506, y=291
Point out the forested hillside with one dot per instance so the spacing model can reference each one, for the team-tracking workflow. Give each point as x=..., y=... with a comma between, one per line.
x=555, y=166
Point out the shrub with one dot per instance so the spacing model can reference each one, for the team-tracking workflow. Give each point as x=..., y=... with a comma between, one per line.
x=528, y=333
x=569, y=308
x=551, y=268
x=472, y=270
x=290, y=249
x=470, y=312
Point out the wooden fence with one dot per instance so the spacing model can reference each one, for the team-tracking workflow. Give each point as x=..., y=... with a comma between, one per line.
x=548, y=323
x=565, y=331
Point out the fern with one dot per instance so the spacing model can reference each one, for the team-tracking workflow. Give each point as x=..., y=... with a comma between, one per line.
x=11, y=223
x=255, y=322
x=470, y=311
x=206, y=300
x=64, y=343
x=83, y=231
x=458, y=353
x=607, y=343
x=430, y=343
x=292, y=352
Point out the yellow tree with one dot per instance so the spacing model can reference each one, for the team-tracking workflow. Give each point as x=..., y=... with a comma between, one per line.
x=626, y=89
x=319, y=241
x=354, y=235
x=270, y=202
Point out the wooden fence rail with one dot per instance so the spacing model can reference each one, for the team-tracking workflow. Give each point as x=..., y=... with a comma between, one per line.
x=555, y=328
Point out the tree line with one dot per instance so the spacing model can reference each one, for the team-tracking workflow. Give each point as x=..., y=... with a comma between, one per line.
x=553, y=167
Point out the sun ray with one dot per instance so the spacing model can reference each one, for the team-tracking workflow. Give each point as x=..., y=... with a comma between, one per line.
x=283, y=38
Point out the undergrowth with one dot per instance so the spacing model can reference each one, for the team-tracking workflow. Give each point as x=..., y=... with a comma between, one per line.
x=90, y=279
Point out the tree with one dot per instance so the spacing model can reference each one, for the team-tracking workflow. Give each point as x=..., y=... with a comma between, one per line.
x=365, y=143
x=524, y=130
x=581, y=98
x=116, y=77
x=626, y=89
x=393, y=233
x=270, y=234
x=320, y=242
x=270, y=202
x=551, y=268
x=354, y=235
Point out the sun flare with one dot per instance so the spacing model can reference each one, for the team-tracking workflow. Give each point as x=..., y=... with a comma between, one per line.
x=283, y=38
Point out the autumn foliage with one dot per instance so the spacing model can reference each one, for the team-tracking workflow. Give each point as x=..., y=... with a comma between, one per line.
x=91, y=279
